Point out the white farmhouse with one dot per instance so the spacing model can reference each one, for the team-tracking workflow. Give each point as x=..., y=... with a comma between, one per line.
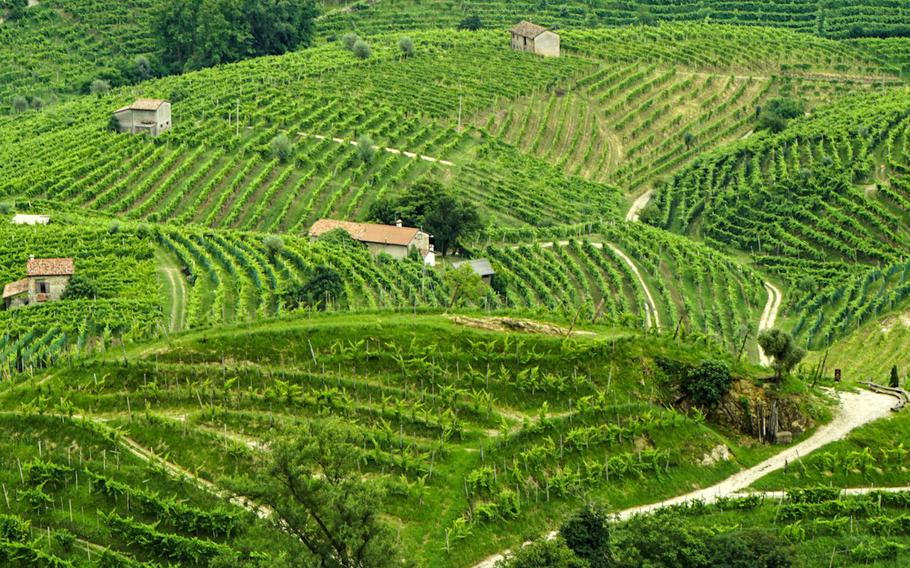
x=396, y=241
x=535, y=39
x=145, y=116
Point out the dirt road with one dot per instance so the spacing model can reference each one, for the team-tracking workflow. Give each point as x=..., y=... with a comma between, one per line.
x=769, y=317
x=637, y=207
x=855, y=410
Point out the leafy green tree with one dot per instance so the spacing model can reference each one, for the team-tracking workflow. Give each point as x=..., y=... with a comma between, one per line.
x=99, y=87
x=465, y=284
x=282, y=147
x=587, y=533
x=20, y=104
x=365, y=148
x=142, y=68
x=779, y=345
x=323, y=286
x=320, y=496
x=406, y=45
x=348, y=40
x=775, y=115
x=751, y=548
x=665, y=539
x=542, y=554
x=362, y=50
x=895, y=381
x=273, y=244
x=280, y=26
x=470, y=23
x=81, y=287
x=708, y=382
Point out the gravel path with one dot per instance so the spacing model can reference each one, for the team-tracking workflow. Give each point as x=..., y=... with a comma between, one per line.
x=653, y=318
x=769, y=317
x=637, y=207
x=856, y=409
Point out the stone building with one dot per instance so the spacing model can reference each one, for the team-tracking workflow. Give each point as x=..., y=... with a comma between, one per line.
x=481, y=267
x=145, y=116
x=535, y=39
x=394, y=240
x=46, y=280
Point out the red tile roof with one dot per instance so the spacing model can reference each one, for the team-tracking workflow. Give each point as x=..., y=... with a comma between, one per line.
x=367, y=232
x=15, y=288
x=146, y=104
x=50, y=267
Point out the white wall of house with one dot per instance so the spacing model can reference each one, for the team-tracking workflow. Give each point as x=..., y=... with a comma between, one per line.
x=395, y=251
x=547, y=44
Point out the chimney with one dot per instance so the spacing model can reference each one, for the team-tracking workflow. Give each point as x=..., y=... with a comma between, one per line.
x=398, y=223
x=31, y=257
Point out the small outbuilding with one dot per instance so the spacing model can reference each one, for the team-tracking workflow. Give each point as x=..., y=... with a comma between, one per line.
x=22, y=219
x=395, y=240
x=46, y=280
x=481, y=267
x=535, y=39
x=145, y=116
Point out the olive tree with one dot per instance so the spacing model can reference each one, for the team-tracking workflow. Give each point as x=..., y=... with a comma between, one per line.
x=365, y=148
x=362, y=50
x=282, y=147
x=779, y=345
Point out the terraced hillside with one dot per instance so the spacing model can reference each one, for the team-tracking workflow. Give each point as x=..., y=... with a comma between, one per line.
x=474, y=435
x=823, y=205
x=836, y=19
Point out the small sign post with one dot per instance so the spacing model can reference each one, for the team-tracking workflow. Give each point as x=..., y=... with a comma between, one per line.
x=836, y=375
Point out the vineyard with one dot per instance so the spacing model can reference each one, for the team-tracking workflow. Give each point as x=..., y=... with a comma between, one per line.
x=837, y=19
x=525, y=424
x=837, y=229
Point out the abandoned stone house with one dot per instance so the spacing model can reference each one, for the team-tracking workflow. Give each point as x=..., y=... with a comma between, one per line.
x=45, y=281
x=145, y=116
x=535, y=39
x=396, y=241
x=481, y=267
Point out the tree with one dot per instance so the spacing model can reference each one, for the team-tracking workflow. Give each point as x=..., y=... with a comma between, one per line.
x=464, y=284
x=362, y=50
x=282, y=147
x=99, y=87
x=81, y=287
x=708, y=382
x=542, y=554
x=20, y=104
x=323, y=286
x=778, y=112
x=470, y=23
x=587, y=533
x=320, y=496
x=449, y=220
x=273, y=244
x=142, y=68
x=780, y=346
x=348, y=40
x=365, y=148
x=406, y=46
x=895, y=381
x=750, y=548
x=200, y=33
x=113, y=124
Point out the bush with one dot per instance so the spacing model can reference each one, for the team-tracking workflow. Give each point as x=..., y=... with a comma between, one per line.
x=542, y=554
x=470, y=23
x=99, y=87
x=708, y=382
x=323, y=287
x=20, y=104
x=81, y=287
x=282, y=147
x=406, y=46
x=348, y=40
x=362, y=50
x=778, y=112
x=273, y=244
x=365, y=148
x=587, y=534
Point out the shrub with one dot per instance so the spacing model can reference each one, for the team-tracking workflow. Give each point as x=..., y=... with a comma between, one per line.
x=708, y=382
x=282, y=147
x=362, y=50
x=542, y=554
x=587, y=533
x=20, y=104
x=406, y=46
x=348, y=40
x=365, y=148
x=470, y=23
x=273, y=244
x=99, y=87
x=81, y=287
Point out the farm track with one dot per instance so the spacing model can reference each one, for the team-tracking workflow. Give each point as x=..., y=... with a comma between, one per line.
x=638, y=206
x=769, y=317
x=856, y=410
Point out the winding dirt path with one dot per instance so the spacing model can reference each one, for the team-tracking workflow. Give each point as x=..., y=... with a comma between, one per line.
x=769, y=317
x=651, y=315
x=637, y=207
x=856, y=409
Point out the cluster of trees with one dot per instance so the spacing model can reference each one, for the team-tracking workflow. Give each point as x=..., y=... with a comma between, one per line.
x=665, y=539
x=192, y=34
x=775, y=115
x=430, y=206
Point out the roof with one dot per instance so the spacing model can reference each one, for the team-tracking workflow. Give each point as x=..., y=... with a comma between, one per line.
x=367, y=232
x=50, y=267
x=15, y=288
x=22, y=219
x=528, y=30
x=480, y=266
x=142, y=104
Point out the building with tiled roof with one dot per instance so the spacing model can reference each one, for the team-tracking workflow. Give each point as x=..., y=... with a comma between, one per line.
x=394, y=240
x=46, y=280
x=144, y=116
x=535, y=39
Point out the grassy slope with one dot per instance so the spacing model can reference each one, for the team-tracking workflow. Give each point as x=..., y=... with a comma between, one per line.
x=362, y=381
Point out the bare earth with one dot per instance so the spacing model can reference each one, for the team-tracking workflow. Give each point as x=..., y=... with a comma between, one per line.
x=769, y=317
